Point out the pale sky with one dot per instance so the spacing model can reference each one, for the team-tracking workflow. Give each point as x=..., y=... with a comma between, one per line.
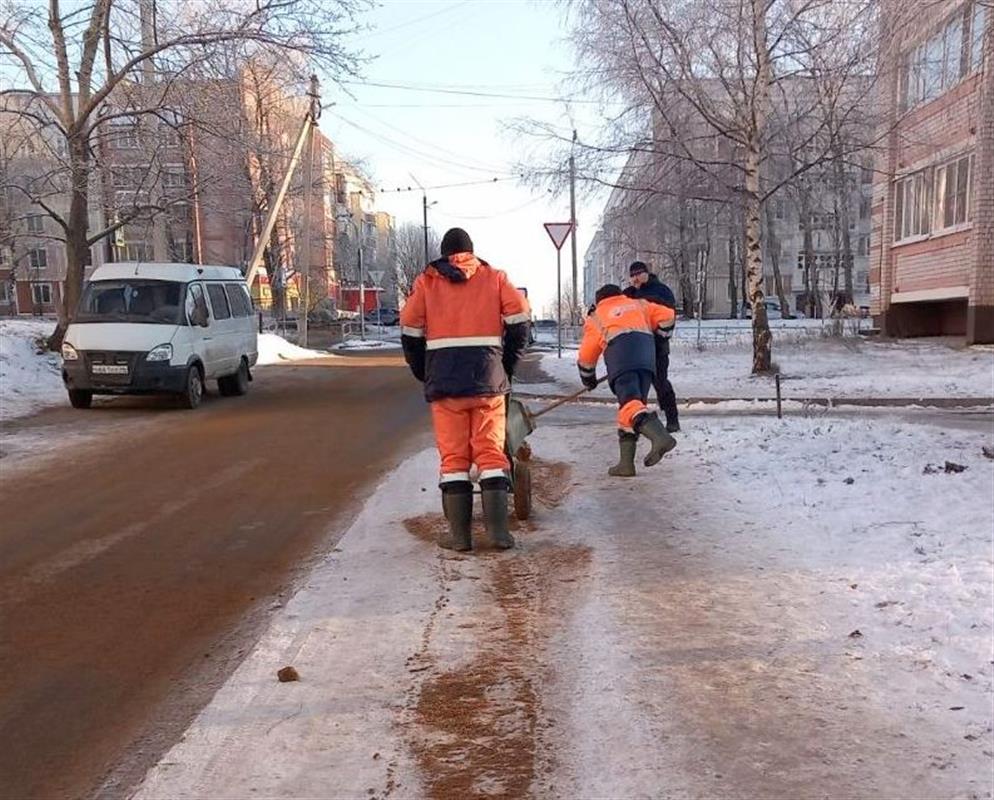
x=503, y=47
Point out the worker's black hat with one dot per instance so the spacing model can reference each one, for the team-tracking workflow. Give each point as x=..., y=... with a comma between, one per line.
x=456, y=240
x=606, y=291
x=636, y=268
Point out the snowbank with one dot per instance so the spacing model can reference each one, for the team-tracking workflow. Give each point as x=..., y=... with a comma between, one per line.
x=367, y=344
x=274, y=349
x=794, y=608
x=814, y=368
x=29, y=375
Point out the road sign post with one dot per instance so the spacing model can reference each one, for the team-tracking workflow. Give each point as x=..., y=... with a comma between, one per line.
x=558, y=232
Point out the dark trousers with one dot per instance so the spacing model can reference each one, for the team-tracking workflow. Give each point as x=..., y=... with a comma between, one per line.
x=664, y=389
x=632, y=385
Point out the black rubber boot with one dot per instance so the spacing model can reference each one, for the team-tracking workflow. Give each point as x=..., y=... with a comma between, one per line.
x=494, y=491
x=457, y=503
x=673, y=425
x=650, y=427
x=627, y=444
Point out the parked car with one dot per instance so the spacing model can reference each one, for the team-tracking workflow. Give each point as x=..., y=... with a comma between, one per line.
x=772, y=310
x=387, y=316
x=544, y=324
x=160, y=329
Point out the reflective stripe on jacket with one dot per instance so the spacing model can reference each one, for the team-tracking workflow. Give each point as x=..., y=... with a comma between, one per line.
x=464, y=328
x=623, y=329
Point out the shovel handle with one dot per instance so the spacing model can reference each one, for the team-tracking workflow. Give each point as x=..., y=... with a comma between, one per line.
x=564, y=400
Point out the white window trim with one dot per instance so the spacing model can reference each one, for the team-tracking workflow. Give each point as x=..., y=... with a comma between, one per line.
x=39, y=285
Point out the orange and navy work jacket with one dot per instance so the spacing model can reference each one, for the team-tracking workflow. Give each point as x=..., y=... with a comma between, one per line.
x=464, y=328
x=623, y=330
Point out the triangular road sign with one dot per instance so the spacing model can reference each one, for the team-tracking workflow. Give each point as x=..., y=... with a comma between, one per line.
x=376, y=275
x=558, y=232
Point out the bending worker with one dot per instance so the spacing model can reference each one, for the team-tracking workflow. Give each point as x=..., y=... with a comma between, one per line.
x=624, y=330
x=464, y=328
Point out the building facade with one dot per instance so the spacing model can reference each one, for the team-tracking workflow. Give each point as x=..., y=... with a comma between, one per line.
x=932, y=269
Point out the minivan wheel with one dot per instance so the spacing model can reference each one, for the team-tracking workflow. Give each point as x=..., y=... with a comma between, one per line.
x=80, y=398
x=237, y=384
x=194, y=392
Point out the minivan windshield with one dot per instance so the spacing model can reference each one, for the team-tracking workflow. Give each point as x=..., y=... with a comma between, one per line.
x=156, y=302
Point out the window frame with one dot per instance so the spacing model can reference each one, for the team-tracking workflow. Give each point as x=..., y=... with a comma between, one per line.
x=210, y=294
x=35, y=223
x=38, y=262
x=44, y=287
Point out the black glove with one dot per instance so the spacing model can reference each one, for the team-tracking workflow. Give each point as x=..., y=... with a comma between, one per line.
x=588, y=377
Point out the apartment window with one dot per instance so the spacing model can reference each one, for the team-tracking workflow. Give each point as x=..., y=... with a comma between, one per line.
x=173, y=179
x=38, y=258
x=863, y=246
x=6, y=292
x=36, y=223
x=171, y=136
x=864, y=208
x=127, y=177
x=780, y=212
x=952, y=193
x=977, y=25
x=41, y=294
x=4, y=257
x=913, y=205
x=938, y=63
x=181, y=250
x=125, y=136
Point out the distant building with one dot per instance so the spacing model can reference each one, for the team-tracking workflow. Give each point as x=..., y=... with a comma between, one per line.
x=933, y=202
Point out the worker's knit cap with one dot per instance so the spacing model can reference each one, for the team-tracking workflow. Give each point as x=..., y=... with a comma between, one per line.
x=456, y=240
x=636, y=268
x=606, y=291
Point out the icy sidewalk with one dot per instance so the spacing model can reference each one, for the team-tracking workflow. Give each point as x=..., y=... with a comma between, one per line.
x=781, y=609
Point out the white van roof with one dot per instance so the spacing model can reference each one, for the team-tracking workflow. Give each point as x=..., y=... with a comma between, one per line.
x=165, y=272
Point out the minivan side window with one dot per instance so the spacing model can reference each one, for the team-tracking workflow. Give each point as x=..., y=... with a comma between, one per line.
x=238, y=300
x=218, y=300
x=195, y=299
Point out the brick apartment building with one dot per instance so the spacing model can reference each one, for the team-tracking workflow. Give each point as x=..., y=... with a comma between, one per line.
x=212, y=176
x=932, y=253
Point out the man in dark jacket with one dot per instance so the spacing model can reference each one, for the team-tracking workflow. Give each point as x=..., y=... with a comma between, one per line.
x=465, y=327
x=646, y=286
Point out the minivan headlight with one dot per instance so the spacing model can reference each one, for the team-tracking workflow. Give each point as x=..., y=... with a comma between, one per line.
x=164, y=352
x=69, y=352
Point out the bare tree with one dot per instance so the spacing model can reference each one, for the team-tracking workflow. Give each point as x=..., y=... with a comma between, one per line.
x=700, y=80
x=411, y=254
x=126, y=60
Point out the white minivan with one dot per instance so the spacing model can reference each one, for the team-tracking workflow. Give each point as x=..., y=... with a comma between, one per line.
x=160, y=329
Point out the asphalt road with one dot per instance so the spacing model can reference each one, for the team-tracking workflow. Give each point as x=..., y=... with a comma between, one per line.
x=140, y=556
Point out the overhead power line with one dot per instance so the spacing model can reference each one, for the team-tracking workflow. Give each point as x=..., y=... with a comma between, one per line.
x=470, y=92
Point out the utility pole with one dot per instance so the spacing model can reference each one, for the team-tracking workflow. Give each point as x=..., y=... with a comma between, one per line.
x=572, y=219
x=424, y=208
x=362, y=291
x=424, y=211
x=305, y=290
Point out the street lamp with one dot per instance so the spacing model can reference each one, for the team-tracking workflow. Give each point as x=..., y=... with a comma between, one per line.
x=347, y=219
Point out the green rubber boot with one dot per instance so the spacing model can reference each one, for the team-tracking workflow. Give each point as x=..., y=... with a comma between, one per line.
x=494, y=492
x=457, y=503
x=627, y=444
x=651, y=428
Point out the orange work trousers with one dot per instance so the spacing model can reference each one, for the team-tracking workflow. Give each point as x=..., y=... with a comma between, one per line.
x=470, y=430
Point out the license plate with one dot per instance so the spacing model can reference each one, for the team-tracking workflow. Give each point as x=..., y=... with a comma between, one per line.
x=110, y=369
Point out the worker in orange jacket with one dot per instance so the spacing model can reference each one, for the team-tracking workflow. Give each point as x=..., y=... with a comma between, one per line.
x=464, y=328
x=623, y=329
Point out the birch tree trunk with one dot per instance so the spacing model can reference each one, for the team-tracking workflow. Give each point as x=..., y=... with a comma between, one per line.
x=762, y=341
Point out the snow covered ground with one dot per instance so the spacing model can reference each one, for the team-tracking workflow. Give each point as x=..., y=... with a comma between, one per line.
x=29, y=375
x=781, y=609
x=813, y=367
x=274, y=349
